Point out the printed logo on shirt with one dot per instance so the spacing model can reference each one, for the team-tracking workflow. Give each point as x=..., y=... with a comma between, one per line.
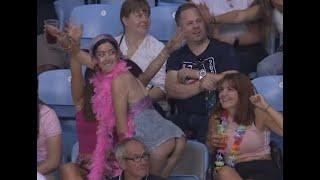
x=207, y=64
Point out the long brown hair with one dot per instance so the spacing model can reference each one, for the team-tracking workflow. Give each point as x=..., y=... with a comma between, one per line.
x=245, y=110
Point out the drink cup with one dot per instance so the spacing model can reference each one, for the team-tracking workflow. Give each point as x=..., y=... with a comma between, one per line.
x=53, y=22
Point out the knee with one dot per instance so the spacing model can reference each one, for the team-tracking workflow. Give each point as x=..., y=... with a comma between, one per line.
x=164, y=149
x=180, y=144
x=70, y=171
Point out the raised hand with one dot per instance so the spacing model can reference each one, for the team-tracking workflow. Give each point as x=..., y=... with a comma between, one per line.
x=175, y=42
x=259, y=101
x=75, y=32
x=207, y=83
x=204, y=12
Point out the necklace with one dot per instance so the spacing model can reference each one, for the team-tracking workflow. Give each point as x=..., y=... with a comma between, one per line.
x=239, y=133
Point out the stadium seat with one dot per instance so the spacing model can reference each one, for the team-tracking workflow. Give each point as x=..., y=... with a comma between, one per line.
x=97, y=19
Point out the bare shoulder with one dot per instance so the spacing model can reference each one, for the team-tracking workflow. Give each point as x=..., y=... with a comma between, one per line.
x=123, y=78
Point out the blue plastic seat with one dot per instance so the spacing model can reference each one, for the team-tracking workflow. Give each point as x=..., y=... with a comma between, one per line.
x=54, y=89
x=163, y=25
x=194, y=161
x=271, y=88
x=97, y=19
x=170, y=2
x=63, y=9
x=151, y=2
x=75, y=152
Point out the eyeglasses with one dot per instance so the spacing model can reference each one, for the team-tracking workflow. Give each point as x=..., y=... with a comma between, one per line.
x=104, y=54
x=144, y=156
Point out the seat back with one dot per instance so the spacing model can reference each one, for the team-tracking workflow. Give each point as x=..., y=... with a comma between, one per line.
x=75, y=152
x=55, y=87
x=98, y=19
x=163, y=25
x=63, y=9
x=194, y=161
x=151, y=2
x=271, y=88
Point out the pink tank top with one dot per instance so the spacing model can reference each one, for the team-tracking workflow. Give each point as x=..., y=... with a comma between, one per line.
x=86, y=131
x=255, y=143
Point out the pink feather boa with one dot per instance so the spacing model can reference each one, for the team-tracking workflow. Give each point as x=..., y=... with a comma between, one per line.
x=106, y=133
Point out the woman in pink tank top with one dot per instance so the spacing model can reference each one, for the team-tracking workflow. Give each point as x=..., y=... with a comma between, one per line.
x=239, y=130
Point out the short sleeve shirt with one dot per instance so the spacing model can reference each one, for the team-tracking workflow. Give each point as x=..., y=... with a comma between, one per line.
x=217, y=58
x=49, y=126
x=147, y=51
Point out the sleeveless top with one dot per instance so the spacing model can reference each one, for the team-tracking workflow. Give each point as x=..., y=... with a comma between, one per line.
x=255, y=143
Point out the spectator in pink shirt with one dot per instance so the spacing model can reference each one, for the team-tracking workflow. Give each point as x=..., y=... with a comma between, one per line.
x=49, y=143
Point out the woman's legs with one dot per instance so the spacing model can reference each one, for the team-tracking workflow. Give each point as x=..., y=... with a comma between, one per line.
x=159, y=156
x=165, y=157
x=228, y=173
x=180, y=144
x=71, y=171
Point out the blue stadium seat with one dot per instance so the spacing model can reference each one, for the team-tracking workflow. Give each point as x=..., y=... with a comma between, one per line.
x=163, y=25
x=194, y=161
x=271, y=88
x=75, y=152
x=170, y=2
x=69, y=138
x=63, y=9
x=151, y=2
x=97, y=19
x=54, y=89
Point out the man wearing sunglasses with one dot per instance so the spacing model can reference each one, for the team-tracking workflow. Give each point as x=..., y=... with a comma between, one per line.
x=133, y=158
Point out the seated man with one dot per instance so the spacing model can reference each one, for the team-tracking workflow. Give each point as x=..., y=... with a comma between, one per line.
x=133, y=158
x=202, y=59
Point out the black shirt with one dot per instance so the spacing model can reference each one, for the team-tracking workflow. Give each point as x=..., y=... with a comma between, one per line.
x=218, y=57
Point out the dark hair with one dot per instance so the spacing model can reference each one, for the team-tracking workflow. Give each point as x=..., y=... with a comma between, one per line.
x=130, y=6
x=88, y=88
x=245, y=111
x=88, y=93
x=181, y=8
x=102, y=41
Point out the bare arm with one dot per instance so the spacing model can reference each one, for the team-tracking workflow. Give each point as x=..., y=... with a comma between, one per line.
x=54, y=155
x=157, y=63
x=240, y=16
x=275, y=118
x=269, y=116
x=156, y=94
x=77, y=84
x=180, y=91
x=154, y=67
x=120, y=94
